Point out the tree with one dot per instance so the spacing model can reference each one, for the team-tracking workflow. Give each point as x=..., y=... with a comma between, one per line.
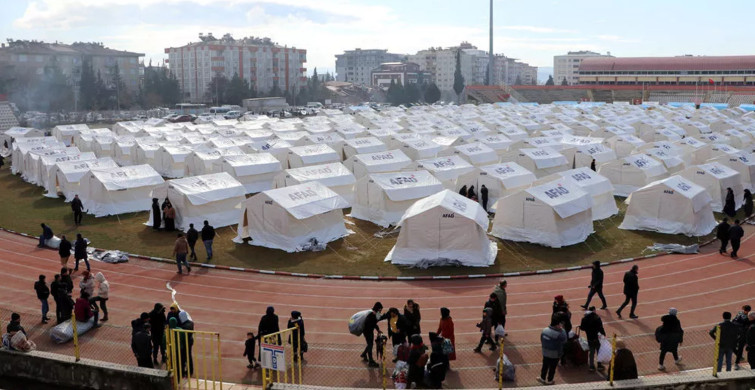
x=54, y=92
x=550, y=81
x=458, y=77
x=564, y=82
x=216, y=89
x=412, y=92
x=87, y=85
x=275, y=91
x=102, y=92
x=432, y=94
x=518, y=80
x=396, y=95
x=237, y=90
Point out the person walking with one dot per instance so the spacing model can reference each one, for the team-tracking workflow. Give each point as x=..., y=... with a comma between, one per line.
x=500, y=293
x=192, y=236
x=495, y=306
x=180, y=251
x=80, y=252
x=727, y=341
x=57, y=290
x=208, y=234
x=484, y=197
x=670, y=335
x=562, y=312
x=412, y=314
x=66, y=305
x=78, y=210
x=46, y=235
x=592, y=325
x=596, y=286
x=743, y=320
x=748, y=204
x=370, y=326
x=141, y=346
x=735, y=237
x=43, y=292
x=157, y=320
x=631, y=289
x=249, y=350
x=463, y=191
x=729, y=206
x=750, y=340
x=446, y=330
x=64, y=251
x=103, y=291
x=268, y=325
x=592, y=165
x=552, y=340
x=156, y=216
x=170, y=218
x=296, y=339
x=486, y=326
x=722, y=234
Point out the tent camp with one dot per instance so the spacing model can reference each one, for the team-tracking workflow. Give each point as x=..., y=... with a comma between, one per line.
x=36, y=169
x=382, y=198
x=113, y=191
x=444, y=229
x=48, y=170
x=500, y=179
x=477, y=153
x=22, y=147
x=256, y=172
x=446, y=169
x=332, y=175
x=66, y=133
x=302, y=156
x=673, y=205
x=390, y=161
x=170, y=160
x=716, y=178
x=69, y=173
x=744, y=163
x=632, y=172
x=14, y=133
x=293, y=219
x=600, y=188
x=554, y=214
x=216, y=197
x=541, y=161
x=363, y=145
x=202, y=160
x=418, y=149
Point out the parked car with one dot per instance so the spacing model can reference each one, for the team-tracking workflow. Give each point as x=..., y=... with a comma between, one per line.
x=233, y=115
x=182, y=118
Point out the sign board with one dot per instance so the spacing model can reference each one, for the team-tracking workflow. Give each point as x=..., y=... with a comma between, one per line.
x=273, y=357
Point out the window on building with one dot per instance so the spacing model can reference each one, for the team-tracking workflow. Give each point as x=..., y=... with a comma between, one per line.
x=22, y=58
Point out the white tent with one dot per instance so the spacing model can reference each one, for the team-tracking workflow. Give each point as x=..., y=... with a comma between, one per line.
x=277, y=147
x=716, y=178
x=170, y=160
x=498, y=142
x=698, y=151
x=446, y=169
x=624, y=145
x=444, y=229
x=123, y=150
x=744, y=163
x=477, y=153
x=600, y=188
x=364, y=145
x=390, y=161
x=14, y=133
x=256, y=172
x=583, y=155
x=216, y=197
x=202, y=160
x=103, y=145
x=333, y=140
x=671, y=162
x=382, y=198
x=66, y=133
x=49, y=169
x=673, y=205
x=541, y=161
x=500, y=179
x=23, y=146
x=555, y=214
x=36, y=170
x=332, y=175
x=145, y=150
x=418, y=149
x=302, y=156
x=113, y=191
x=69, y=173
x=632, y=172
x=293, y=218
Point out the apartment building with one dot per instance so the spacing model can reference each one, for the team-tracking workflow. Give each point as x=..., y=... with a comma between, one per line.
x=356, y=66
x=567, y=66
x=441, y=64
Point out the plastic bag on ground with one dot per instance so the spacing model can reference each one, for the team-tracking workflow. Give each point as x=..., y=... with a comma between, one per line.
x=63, y=332
x=674, y=248
x=509, y=371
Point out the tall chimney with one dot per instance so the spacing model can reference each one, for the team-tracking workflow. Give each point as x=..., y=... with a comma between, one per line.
x=491, y=57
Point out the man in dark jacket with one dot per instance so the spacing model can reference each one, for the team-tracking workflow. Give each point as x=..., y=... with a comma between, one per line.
x=631, y=288
x=65, y=279
x=66, y=305
x=157, y=320
x=722, y=234
x=43, y=292
x=208, y=234
x=592, y=325
x=57, y=290
x=141, y=345
x=743, y=320
x=735, y=237
x=727, y=341
x=670, y=335
x=596, y=286
x=80, y=252
x=484, y=197
x=46, y=235
x=398, y=326
x=138, y=323
x=497, y=318
x=192, y=235
x=268, y=325
x=370, y=326
x=750, y=340
x=78, y=209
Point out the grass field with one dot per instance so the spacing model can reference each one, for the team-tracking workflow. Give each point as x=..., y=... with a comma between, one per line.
x=24, y=208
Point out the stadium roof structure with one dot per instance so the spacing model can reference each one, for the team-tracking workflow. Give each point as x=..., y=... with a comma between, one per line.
x=702, y=63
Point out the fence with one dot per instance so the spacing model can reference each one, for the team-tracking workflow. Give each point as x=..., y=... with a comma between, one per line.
x=194, y=359
x=279, y=360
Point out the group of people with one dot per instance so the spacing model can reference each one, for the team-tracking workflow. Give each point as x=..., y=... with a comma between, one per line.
x=471, y=194
x=148, y=337
x=730, y=207
x=183, y=248
x=14, y=338
x=270, y=325
x=729, y=234
x=94, y=290
x=164, y=213
x=734, y=337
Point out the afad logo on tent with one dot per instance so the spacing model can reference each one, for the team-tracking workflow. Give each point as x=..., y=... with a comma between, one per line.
x=302, y=195
x=556, y=191
x=457, y=204
x=399, y=180
x=444, y=164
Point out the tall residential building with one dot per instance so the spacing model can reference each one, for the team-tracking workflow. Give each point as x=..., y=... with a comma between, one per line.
x=33, y=59
x=567, y=66
x=262, y=62
x=403, y=73
x=356, y=66
x=441, y=64
x=506, y=71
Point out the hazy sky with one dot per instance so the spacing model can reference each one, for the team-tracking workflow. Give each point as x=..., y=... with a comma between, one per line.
x=533, y=30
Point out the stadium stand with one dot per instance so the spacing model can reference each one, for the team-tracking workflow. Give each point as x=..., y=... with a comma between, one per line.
x=7, y=118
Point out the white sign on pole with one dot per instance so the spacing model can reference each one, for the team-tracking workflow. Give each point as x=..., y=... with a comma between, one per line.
x=273, y=357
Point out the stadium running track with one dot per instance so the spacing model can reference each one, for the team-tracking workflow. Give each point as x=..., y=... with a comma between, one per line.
x=700, y=286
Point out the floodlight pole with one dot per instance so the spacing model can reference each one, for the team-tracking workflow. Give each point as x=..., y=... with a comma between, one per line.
x=491, y=57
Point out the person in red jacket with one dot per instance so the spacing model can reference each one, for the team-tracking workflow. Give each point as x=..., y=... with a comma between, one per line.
x=83, y=311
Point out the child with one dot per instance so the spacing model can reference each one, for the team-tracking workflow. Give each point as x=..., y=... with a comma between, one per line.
x=485, y=327
x=249, y=350
x=380, y=342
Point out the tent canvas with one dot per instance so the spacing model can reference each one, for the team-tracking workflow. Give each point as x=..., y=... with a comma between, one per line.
x=123, y=149
x=333, y=140
x=49, y=169
x=170, y=160
x=500, y=179
x=113, y=191
x=389, y=161
x=66, y=133
x=447, y=169
x=292, y=218
x=541, y=161
x=716, y=178
x=69, y=173
x=332, y=175
x=673, y=205
x=216, y=197
x=382, y=198
x=444, y=229
x=418, y=149
x=632, y=172
x=600, y=188
x=477, y=153
x=256, y=172
x=302, y=156
x=39, y=162
x=15, y=133
x=23, y=146
x=744, y=163
x=363, y=145
x=202, y=160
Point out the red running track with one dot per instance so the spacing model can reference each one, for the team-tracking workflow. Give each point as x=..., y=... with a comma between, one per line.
x=700, y=286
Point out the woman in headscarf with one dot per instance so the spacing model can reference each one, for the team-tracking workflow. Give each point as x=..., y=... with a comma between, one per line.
x=180, y=339
x=730, y=208
x=748, y=203
x=463, y=191
x=446, y=329
x=103, y=291
x=471, y=194
x=624, y=365
x=298, y=322
x=87, y=283
x=268, y=325
x=170, y=217
x=437, y=367
x=411, y=312
x=156, y=216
